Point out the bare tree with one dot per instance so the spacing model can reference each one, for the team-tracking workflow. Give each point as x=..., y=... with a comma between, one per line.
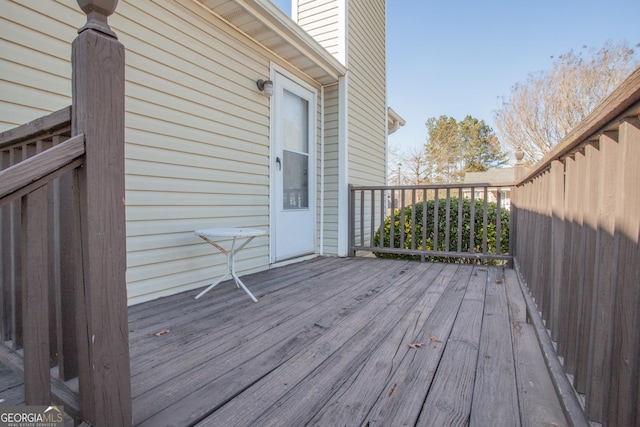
x=407, y=166
x=415, y=165
x=543, y=109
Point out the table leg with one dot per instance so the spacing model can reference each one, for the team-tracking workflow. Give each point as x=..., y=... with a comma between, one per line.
x=231, y=271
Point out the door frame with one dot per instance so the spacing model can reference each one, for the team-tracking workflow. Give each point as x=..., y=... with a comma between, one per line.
x=313, y=174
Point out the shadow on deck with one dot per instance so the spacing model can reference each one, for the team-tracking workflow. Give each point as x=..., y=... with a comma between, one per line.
x=332, y=342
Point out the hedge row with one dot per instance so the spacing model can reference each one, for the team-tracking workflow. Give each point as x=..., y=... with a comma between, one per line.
x=453, y=229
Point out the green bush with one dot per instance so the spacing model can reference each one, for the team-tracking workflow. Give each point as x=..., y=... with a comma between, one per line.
x=453, y=229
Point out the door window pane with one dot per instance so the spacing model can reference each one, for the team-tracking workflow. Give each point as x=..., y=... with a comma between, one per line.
x=296, y=180
x=296, y=126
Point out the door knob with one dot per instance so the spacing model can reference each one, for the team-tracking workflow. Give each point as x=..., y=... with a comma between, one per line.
x=279, y=162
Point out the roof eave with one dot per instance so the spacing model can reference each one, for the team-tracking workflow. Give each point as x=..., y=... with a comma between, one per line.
x=267, y=25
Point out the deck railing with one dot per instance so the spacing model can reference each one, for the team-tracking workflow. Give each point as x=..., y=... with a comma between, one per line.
x=577, y=227
x=62, y=241
x=457, y=221
x=37, y=227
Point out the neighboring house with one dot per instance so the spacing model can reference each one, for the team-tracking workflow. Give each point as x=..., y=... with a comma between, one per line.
x=497, y=178
x=394, y=121
x=204, y=146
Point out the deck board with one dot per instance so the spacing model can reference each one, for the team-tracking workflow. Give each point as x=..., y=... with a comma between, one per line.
x=340, y=342
x=448, y=402
x=495, y=400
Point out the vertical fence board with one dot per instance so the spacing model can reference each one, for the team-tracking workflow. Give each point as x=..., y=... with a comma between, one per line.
x=424, y=221
x=435, y=221
x=17, y=155
x=556, y=195
x=498, y=221
x=53, y=263
x=576, y=263
x=624, y=381
x=6, y=252
x=413, y=218
x=402, y=218
x=605, y=280
x=546, y=240
x=35, y=298
x=372, y=221
x=589, y=214
x=485, y=221
x=472, y=222
x=382, y=217
x=534, y=242
x=447, y=225
x=362, y=203
x=566, y=294
x=392, y=225
x=70, y=273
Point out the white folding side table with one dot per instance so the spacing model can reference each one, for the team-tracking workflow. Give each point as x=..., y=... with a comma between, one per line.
x=212, y=235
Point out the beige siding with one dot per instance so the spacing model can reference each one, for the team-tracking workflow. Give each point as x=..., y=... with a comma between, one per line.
x=197, y=130
x=28, y=41
x=354, y=32
x=331, y=171
x=367, y=116
x=322, y=20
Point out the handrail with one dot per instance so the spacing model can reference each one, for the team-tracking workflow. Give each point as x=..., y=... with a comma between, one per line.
x=39, y=127
x=623, y=102
x=39, y=169
x=436, y=186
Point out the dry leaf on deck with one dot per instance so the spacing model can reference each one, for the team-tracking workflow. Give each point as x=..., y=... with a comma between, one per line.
x=162, y=332
x=434, y=339
x=416, y=345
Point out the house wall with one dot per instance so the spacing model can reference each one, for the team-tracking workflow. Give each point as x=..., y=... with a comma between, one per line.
x=331, y=171
x=197, y=128
x=354, y=31
x=367, y=120
x=325, y=22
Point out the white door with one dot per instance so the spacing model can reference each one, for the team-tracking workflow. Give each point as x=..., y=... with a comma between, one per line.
x=293, y=170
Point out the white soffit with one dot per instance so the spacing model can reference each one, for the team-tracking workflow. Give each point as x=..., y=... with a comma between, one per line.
x=265, y=23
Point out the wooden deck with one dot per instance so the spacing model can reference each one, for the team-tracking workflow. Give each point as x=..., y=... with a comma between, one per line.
x=350, y=342
x=340, y=342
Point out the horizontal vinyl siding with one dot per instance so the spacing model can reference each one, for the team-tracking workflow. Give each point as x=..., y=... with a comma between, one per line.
x=367, y=92
x=197, y=146
x=320, y=18
x=331, y=171
x=197, y=129
x=35, y=52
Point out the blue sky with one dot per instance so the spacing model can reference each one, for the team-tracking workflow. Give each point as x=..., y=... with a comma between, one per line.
x=460, y=57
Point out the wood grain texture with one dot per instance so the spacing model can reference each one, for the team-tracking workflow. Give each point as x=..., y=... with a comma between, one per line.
x=623, y=408
x=42, y=125
x=329, y=345
x=495, y=397
x=35, y=298
x=37, y=167
x=538, y=407
x=556, y=195
x=450, y=396
x=98, y=113
x=604, y=281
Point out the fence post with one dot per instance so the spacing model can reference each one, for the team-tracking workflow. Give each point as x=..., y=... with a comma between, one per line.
x=98, y=113
x=519, y=172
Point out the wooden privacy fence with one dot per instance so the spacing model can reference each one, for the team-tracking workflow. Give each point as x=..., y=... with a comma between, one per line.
x=577, y=225
x=450, y=221
x=62, y=289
